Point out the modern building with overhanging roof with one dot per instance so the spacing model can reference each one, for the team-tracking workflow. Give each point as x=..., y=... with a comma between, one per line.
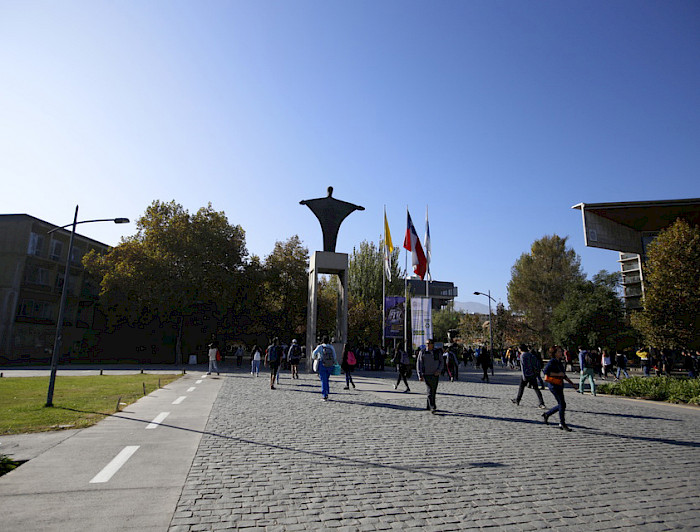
x=628, y=227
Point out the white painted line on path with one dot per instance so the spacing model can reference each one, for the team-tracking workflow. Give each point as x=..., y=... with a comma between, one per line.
x=199, y=381
x=158, y=420
x=190, y=389
x=114, y=466
x=179, y=399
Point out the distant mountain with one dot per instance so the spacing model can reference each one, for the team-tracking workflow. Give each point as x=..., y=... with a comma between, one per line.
x=472, y=307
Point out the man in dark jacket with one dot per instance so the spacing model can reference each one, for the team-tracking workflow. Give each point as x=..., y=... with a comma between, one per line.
x=530, y=367
x=429, y=366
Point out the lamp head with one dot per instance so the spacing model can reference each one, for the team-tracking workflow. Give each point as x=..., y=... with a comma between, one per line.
x=121, y=220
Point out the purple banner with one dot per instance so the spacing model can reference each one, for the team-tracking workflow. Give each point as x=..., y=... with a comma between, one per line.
x=395, y=307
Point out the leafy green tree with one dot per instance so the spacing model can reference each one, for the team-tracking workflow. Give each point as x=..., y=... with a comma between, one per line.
x=175, y=261
x=286, y=290
x=671, y=315
x=364, y=322
x=444, y=320
x=471, y=328
x=591, y=314
x=365, y=271
x=539, y=281
x=509, y=329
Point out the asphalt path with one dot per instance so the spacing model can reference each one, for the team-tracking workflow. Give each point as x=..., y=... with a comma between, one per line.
x=124, y=473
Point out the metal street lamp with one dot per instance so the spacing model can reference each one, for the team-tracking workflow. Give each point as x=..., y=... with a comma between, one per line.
x=490, y=318
x=64, y=291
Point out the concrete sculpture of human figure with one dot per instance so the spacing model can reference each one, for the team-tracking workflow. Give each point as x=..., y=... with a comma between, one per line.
x=330, y=213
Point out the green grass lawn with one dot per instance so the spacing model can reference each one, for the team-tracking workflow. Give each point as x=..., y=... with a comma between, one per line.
x=78, y=401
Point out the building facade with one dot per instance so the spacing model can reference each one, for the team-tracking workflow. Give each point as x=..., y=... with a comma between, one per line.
x=32, y=267
x=629, y=227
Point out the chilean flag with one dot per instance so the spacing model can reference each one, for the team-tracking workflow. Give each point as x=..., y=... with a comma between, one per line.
x=412, y=243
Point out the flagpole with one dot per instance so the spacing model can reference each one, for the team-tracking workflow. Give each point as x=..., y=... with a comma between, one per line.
x=427, y=253
x=405, y=302
x=384, y=286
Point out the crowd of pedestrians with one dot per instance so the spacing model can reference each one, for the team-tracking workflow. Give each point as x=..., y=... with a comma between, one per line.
x=433, y=362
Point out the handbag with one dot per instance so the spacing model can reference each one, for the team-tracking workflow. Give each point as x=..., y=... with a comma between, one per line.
x=315, y=365
x=336, y=369
x=556, y=381
x=218, y=355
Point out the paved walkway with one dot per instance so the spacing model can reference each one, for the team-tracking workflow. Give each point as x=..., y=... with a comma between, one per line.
x=370, y=459
x=374, y=459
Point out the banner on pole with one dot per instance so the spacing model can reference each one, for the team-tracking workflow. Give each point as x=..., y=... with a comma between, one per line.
x=393, y=319
x=421, y=321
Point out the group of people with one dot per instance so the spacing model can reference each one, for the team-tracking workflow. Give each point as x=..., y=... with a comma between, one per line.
x=432, y=362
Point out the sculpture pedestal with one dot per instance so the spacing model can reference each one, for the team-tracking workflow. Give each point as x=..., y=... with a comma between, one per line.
x=325, y=262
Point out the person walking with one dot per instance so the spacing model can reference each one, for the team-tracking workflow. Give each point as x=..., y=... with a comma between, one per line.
x=213, y=353
x=530, y=369
x=256, y=356
x=326, y=357
x=451, y=364
x=621, y=363
x=483, y=360
x=348, y=366
x=587, y=363
x=294, y=356
x=273, y=356
x=429, y=366
x=403, y=367
x=606, y=362
x=554, y=376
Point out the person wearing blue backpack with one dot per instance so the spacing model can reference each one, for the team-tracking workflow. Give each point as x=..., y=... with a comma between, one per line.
x=324, y=359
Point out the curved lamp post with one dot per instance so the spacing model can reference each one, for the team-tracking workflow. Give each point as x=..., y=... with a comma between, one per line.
x=64, y=291
x=490, y=318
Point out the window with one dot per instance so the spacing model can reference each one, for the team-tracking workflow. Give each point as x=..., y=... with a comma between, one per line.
x=77, y=255
x=36, y=244
x=56, y=249
x=30, y=308
x=36, y=275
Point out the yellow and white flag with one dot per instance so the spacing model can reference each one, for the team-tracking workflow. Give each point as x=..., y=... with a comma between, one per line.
x=388, y=248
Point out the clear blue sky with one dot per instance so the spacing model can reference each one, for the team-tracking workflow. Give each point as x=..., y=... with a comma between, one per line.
x=498, y=115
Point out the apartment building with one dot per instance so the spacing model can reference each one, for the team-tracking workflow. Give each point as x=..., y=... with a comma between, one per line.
x=32, y=267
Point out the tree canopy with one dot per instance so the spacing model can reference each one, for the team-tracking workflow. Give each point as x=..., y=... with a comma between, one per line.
x=671, y=315
x=591, y=314
x=176, y=259
x=539, y=281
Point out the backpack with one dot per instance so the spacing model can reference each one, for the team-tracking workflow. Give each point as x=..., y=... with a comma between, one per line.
x=273, y=353
x=351, y=358
x=589, y=360
x=327, y=357
x=295, y=355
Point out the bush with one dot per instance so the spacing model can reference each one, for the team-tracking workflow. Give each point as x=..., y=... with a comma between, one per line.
x=668, y=389
x=7, y=464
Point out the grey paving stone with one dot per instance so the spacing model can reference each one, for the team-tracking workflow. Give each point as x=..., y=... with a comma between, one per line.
x=371, y=459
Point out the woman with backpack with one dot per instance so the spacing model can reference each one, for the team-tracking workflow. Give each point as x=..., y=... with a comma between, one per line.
x=323, y=359
x=348, y=366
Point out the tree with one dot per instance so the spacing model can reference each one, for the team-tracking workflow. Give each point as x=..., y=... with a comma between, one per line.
x=286, y=290
x=365, y=271
x=471, y=328
x=591, y=314
x=444, y=320
x=176, y=261
x=509, y=329
x=671, y=315
x=539, y=281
